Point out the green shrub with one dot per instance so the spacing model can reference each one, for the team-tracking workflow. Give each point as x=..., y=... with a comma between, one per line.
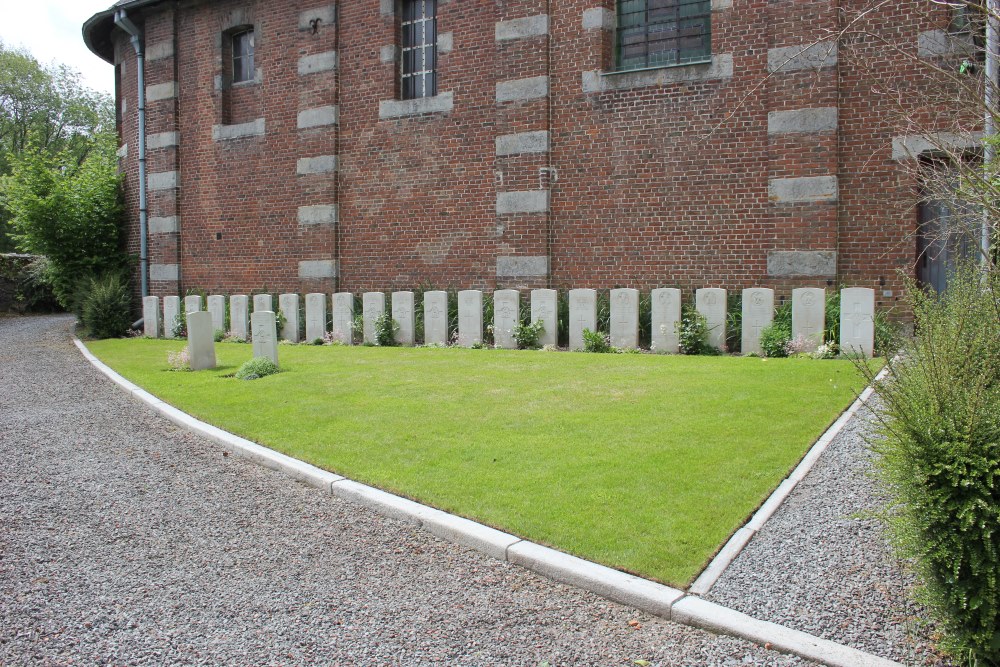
x=385, y=329
x=106, y=308
x=257, y=367
x=526, y=334
x=774, y=339
x=692, y=332
x=595, y=341
x=939, y=449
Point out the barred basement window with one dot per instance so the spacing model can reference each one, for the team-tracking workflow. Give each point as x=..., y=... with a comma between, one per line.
x=243, y=69
x=654, y=33
x=418, y=41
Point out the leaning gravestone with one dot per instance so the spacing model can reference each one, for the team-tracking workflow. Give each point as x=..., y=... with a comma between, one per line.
x=239, y=316
x=343, y=318
x=151, y=316
x=665, y=316
x=264, y=327
x=436, y=318
x=373, y=307
x=857, y=321
x=192, y=303
x=711, y=302
x=403, y=313
x=470, y=317
x=809, y=316
x=201, y=340
x=263, y=302
x=624, y=323
x=758, y=313
x=217, y=307
x=582, y=315
x=545, y=309
x=289, y=305
x=315, y=316
x=506, y=316
x=171, y=315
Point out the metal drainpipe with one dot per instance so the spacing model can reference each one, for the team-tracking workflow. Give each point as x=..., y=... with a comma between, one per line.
x=989, y=126
x=123, y=22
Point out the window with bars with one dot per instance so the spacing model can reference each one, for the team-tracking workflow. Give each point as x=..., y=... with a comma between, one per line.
x=654, y=33
x=418, y=42
x=243, y=69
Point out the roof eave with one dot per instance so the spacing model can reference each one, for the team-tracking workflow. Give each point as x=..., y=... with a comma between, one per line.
x=98, y=28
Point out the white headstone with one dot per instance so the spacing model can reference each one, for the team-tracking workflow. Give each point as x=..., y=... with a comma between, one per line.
x=470, y=317
x=435, y=318
x=582, y=315
x=343, y=317
x=545, y=308
x=809, y=316
x=857, y=321
x=171, y=313
x=665, y=314
x=624, y=323
x=217, y=308
x=264, y=327
x=315, y=316
x=711, y=302
x=373, y=307
x=403, y=312
x=239, y=316
x=151, y=316
x=506, y=316
x=201, y=340
x=192, y=303
x=289, y=305
x=263, y=302
x=758, y=313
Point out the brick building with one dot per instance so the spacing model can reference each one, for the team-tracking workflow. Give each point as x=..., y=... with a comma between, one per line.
x=304, y=145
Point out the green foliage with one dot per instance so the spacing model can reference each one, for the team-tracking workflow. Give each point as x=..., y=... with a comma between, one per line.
x=526, y=334
x=888, y=335
x=219, y=335
x=595, y=341
x=734, y=322
x=940, y=458
x=832, y=306
x=774, y=338
x=257, y=367
x=385, y=329
x=105, y=311
x=692, y=332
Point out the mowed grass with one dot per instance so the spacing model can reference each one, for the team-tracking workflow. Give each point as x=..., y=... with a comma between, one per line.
x=644, y=463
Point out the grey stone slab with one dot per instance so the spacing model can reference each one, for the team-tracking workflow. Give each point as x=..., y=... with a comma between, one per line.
x=817, y=55
x=164, y=224
x=711, y=302
x=545, y=309
x=582, y=315
x=803, y=121
x=201, y=340
x=319, y=214
x=598, y=18
x=809, y=316
x=914, y=145
x=440, y=103
x=506, y=316
x=523, y=142
x=159, y=50
x=388, y=53
x=318, y=269
x=758, y=313
x=318, y=117
x=263, y=302
x=521, y=28
x=665, y=316
x=436, y=318
x=122, y=152
x=940, y=43
x=151, y=316
x=159, y=92
x=162, y=140
x=165, y=272
x=801, y=263
x=624, y=322
x=217, y=309
x=522, y=90
x=326, y=15
x=446, y=42
x=857, y=321
x=289, y=305
x=529, y=201
x=404, y=314
x=192, y=303
x=162, y=180
x=387, y=7
x=254, y=128
x=315, y=316
x=373, y=307
x=343, y=318
x=522, y=267
x=171, y=315
x=470, y=317
x=719, y=67
x=264, y=328
x=318, y=62
x=321, y=164
x=803, y=190
x=239, y=316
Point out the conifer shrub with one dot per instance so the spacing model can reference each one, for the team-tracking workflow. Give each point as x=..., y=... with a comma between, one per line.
x=105, y=309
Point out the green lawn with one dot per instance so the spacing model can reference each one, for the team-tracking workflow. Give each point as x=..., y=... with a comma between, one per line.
x=645, y=463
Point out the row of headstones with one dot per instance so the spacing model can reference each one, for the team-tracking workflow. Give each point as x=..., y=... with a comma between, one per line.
x=857, y=330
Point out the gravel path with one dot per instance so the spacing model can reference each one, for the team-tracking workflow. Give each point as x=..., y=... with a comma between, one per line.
x=124, y=540
x=822, y=563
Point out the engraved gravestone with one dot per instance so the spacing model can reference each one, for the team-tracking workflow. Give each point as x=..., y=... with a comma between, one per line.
x=666, y=313
x=343, y=318
x=506, y=316
x=809, y=316
x=711, y=302
x=217, y=308
x=582, y=315
x=201, y=341
x=192, y=303
x=372, y=308
x=544, y=309
x=758, y=313
x=315, y=316
x=264, y=327
x=470, y=317
x=263, y=302
x=403, y=313
x=624, y=323
x=857, y=321
x=289, y=305
x=239, y=316
x=151, y=316
x=171, y=315
x=435, y=318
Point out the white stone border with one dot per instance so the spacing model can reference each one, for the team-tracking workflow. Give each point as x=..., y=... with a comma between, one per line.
x=648, y=596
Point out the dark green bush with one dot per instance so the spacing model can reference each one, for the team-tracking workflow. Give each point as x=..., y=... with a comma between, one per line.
x=106, y=309
x=774, y=339
x=692, y=332
x=256, y=368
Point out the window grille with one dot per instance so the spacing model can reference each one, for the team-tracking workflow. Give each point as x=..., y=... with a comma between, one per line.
x=243, y=69
x=418, y=76
x=654, y=33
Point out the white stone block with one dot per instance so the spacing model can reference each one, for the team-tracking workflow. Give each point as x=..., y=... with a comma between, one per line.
x=289, y=305
x=758, y=313
x=343, y=318
x=711, y=302
x=263, y=302
x=624, y=323
x=151, y=316
x=809, y=316
x=582, y=315
x=404, y=313
x=664, y=318
x=857, y=321
x=201, y=340
x=506, y=316
x=373, y=307
x=239, y=316
x=192, y=303
x=171, y=315
x=265, y=335
x=545, y=308
x=436, y=318
x=217, y=308
x=315, y=316
x=470, y=317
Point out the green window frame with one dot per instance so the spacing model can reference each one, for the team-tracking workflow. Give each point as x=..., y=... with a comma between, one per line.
x=660, y=33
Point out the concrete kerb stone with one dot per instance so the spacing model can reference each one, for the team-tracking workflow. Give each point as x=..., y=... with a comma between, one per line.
x=651, y=597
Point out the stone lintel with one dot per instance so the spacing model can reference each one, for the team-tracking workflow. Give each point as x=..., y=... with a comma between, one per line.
x=254, y=128
x=520, y=90
x=441, y=103
x=324, y=268
x=720, y=67
x=530, y=201
x=806, y=189
x=802, y=263
x=913, y=145
x=522, y=267
x=523, y=142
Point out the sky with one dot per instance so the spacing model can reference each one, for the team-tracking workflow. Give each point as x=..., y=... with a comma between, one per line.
x=51, y=30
